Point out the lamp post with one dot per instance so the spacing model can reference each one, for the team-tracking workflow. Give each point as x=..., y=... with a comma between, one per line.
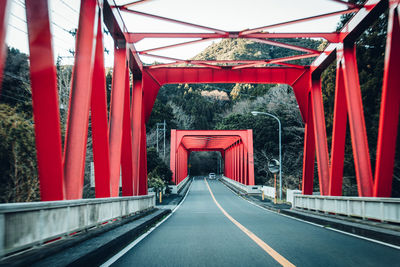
x=255, y=113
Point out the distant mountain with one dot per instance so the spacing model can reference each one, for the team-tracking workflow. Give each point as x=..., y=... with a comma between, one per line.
x=245, y=49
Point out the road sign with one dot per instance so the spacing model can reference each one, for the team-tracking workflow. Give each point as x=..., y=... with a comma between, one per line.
x=273, y=166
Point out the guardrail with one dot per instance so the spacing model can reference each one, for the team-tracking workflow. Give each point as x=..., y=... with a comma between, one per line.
x=23, y=225
x=269, y=191
x=248, y=189
x=290, y=194
x=382, y=209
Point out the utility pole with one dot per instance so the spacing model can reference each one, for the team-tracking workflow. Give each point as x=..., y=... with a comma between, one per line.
x=161, y=126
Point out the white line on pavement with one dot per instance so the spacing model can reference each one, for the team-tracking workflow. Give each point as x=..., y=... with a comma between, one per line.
x=134, y=243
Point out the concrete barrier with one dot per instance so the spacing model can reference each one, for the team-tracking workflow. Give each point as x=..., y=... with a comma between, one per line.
x=247, y=189
x=23, y=225
x=175, y=189
x=269, y=191
x=290, y=194
x=382, y=209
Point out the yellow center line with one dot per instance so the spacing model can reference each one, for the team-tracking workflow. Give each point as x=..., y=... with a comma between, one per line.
x=278, y=257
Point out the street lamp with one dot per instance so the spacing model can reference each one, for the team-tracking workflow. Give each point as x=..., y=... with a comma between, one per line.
x=255, y=113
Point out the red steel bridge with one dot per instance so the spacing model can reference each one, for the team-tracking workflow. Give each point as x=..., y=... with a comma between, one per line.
x=119, y=138
x=235, y=146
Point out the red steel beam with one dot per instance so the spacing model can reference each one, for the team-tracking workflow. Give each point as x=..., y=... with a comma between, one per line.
x=116, y=118
x=172, y=20
x=276, y=60
x=248, y=63
x=338, y=135
x=44, y=99
x=390, y=107
x=142, y=190
x=309, y=152
x=250, y=157
x=172, y=46
x=288, y=46
x=320, y=136
x=136, y=114
x=101, y=154
x=350, y=32
x=126, y=152
x=78, y=117
x=292, y=65
x=4, y=12
x=134, y=37
x=259, y=29
x=357, y=123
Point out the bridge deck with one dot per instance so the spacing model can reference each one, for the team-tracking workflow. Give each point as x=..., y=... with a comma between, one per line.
x=199, y=234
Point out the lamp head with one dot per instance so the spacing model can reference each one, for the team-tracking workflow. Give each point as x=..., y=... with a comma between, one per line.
x=255, y=113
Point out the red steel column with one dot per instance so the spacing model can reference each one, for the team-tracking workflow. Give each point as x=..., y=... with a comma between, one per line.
x=126, y=156
x=101, y=154
x=137, y=102
x=228, y=162
x=78, y=117
x=390, y=105
x=246, y=163
x=338, y=135
x=143, y=158
x=240, y=163
x=357, y=122
x=250, y=157
x=309, y=152
x=320, y=136
x=116, y=118
x=4, y=11
x=172, y=157
x=44, y=97
x=236, y=162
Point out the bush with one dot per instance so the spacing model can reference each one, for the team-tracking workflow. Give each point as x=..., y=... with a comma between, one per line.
x=155, y=182
x=157, y=166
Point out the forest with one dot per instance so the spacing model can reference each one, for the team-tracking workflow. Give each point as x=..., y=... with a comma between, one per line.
x=202, y=107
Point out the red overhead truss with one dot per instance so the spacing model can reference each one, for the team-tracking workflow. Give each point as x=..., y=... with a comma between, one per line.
x=119, y=138
x=235, y=146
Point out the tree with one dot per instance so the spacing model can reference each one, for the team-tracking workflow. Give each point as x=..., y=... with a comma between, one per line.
x=18, y=174
x=280, y=101
x=16, y=85
x=157, y=166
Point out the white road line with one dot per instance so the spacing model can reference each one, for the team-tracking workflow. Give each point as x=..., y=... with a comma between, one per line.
x=134, y=243
x=318, y=225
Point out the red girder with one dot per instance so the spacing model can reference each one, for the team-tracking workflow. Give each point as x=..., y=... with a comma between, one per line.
x=123, y=142
x=135, y=37
x=171, y=20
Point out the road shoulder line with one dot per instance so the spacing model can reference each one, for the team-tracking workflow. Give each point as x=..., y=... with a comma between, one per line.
x=137, y=241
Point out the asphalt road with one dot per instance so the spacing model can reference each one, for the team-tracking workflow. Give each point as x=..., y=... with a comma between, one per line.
x=200, y=234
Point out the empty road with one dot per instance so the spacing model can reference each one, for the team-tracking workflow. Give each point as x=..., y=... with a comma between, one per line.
x=215, y=227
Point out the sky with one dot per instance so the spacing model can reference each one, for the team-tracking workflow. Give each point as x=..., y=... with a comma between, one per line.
x=228, y=15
